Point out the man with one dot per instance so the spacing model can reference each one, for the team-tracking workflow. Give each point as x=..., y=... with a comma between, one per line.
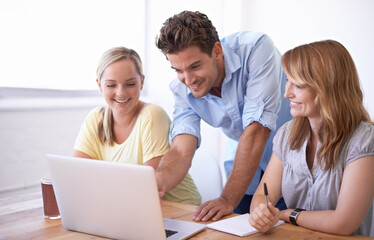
x=233, y=84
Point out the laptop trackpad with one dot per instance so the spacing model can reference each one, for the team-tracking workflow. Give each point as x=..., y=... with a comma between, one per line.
x=183, y=229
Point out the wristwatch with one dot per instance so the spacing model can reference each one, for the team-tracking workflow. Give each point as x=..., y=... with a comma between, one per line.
x=294, y=215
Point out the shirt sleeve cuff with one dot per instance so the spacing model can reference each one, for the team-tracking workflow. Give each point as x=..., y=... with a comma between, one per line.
x=175, y=131
x=267, y=119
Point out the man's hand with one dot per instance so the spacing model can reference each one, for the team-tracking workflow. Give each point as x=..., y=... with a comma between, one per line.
x=160, y=186
x=214, y=209
x=174, y=165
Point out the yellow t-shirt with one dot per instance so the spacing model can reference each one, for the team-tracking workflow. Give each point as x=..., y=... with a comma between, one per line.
x=148, y=139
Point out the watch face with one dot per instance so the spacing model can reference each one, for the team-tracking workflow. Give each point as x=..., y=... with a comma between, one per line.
x=294, y=214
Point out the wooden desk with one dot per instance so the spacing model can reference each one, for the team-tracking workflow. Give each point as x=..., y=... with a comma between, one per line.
x=23, y=218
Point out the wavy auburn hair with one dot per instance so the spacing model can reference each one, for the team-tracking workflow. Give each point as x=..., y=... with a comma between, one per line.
x=328, y=69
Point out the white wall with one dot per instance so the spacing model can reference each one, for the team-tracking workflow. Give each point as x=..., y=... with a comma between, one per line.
x=33, y=127
x=293, y=22
x=57, y=44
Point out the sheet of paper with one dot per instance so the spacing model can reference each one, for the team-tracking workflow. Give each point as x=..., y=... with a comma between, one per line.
x=238, y=225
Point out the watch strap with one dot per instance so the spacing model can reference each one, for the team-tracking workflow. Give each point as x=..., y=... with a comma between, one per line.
x=294, y=215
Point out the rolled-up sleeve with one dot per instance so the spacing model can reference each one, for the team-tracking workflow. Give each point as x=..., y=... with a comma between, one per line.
x=263, y=93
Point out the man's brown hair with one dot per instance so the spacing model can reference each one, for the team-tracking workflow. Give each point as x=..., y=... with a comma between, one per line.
x=187, y=29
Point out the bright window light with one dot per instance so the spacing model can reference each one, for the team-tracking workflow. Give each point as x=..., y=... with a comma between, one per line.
x=57, y=44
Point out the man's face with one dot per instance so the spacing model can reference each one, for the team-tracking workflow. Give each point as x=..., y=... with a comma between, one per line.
x=196, y=69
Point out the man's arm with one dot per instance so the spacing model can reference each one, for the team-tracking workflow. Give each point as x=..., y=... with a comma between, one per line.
x=81, y=154
x=247, y=158
x=175, y=164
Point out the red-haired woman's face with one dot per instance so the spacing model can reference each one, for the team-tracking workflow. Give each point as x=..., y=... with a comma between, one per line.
x=302, y=100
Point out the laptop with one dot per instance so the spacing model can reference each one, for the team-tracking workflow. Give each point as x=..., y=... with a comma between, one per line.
x=112, y=200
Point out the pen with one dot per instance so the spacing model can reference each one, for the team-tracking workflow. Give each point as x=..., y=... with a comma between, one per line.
x=266, y=194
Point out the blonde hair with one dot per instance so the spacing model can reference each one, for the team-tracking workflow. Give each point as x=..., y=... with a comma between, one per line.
x=328, y=69
x=105, y=127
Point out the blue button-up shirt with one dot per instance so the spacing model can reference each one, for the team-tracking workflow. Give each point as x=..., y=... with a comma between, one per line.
x=251, y=91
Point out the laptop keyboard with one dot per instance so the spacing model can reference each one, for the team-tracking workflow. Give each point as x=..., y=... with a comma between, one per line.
x=170, y=233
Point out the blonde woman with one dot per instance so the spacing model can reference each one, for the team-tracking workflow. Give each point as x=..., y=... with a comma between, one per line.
x=323, y=159
x=128, y=130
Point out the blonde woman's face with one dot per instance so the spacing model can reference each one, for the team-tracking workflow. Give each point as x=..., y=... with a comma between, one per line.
x=121, y=85
x=302, y=100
